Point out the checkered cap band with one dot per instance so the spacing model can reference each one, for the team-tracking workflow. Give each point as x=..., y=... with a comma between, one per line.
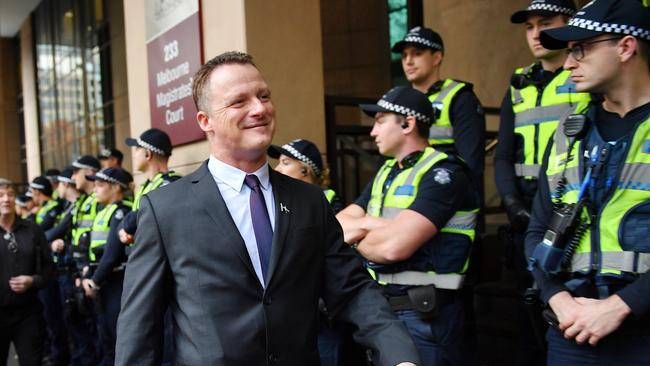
x=37, y=186
x=552, y=8
x=79, y=165
x=404, y=110
x=105, y=177
x=412, y=38
x=149, y=146
x=610, y=28
x=300, y=156
x=64, y=179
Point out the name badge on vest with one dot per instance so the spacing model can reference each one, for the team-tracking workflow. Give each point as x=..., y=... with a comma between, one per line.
x=646, y=147
x=404, y=191
x=437, y=108
x=566, y=88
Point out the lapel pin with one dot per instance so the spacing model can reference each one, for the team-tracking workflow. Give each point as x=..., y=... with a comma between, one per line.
x=283, y=208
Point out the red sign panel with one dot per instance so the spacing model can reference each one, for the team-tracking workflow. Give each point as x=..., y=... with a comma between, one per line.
x=173, y=57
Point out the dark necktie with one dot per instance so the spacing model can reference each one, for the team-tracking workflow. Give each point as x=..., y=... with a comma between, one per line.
x=261, y=221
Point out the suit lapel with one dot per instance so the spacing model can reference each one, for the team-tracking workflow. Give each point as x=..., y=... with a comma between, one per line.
x=283, y=203
x=207, y=193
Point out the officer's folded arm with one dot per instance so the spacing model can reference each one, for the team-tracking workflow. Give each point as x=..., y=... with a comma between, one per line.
x=397, y=239
x=352, y=220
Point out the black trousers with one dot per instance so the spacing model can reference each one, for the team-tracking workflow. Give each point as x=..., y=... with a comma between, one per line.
x=25, y=328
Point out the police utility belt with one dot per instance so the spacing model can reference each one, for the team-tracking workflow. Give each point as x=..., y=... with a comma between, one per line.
x=430, y=290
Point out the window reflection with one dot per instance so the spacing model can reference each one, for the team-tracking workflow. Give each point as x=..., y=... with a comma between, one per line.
x=72, y=48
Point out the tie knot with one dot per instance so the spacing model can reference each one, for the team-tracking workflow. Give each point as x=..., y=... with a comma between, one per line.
x=252, y=182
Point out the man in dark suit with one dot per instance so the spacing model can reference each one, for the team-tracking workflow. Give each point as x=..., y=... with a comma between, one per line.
x=241, y=253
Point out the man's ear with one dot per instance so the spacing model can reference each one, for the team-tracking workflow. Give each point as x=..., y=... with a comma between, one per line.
x=204, y=121
x=628, y=46
x=410, y=122
x=437, y=58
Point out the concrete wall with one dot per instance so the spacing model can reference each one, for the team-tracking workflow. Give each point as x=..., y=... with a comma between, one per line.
x=119, y=82
x=9, y=132
x=284, y=36
x=356, y=55
x=27, y=71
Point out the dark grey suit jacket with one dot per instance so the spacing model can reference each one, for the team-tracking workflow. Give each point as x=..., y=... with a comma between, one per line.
x=189, y=254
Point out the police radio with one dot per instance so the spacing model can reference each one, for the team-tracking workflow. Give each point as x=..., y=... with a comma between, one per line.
x=565, y=229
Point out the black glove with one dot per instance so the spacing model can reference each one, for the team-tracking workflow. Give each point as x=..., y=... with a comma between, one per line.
x=518, y=213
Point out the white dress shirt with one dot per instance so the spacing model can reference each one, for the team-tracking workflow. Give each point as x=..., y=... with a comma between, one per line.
x=235, y=193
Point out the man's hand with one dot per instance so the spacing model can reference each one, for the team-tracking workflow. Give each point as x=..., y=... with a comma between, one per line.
x=57, y=245
x=20, y=284
x=565, y=308
x=88, y=286
x=125, y=238
x=597, y=319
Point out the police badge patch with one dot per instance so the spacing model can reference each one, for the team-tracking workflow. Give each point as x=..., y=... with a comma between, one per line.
x=119, y=215
x=442, y=176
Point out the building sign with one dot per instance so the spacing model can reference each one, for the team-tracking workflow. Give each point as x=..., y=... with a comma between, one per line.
x=173, y=56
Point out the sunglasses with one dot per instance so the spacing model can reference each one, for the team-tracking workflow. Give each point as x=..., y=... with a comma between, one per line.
x=12, y=244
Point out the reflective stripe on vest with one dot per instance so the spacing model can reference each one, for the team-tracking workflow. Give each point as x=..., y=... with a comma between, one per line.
x=449, y=281
x=82, y=220
x=329, y=195
x=632, y=189
x=537, y=117
x=45, y=210
x=100, y=229
x=151, y=185
x=401, y=194
x=442, y=132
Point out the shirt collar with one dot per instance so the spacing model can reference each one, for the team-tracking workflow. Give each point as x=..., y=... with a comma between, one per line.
x=234, y=177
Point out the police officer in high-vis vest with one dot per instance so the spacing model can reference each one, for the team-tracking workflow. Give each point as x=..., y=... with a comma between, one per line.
x=459, y=124
x=589, y=232
x=46, y=218
x=103, y=280
x=150, y=156
x=48, y=208
x=539, y=95
x=414, y=224
x=301, y=159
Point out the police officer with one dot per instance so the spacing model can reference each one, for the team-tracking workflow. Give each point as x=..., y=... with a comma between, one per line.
x=46, y=217
x=414, y=224
x=539, y=95
x=301, y=159
x=110, y=158
x=588, y=234
x=48, y=208
x=151, y=153
x=150, y=156
x=459, y=119
x=86, y=208
x=51, y=175
x=107, y=255
x=24, y=206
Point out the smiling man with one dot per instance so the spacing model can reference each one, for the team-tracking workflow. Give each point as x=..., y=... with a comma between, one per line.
x=598, y=167
x=241, y=253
